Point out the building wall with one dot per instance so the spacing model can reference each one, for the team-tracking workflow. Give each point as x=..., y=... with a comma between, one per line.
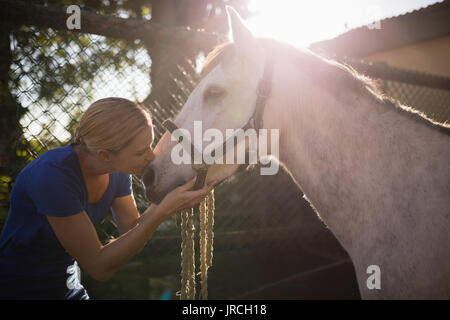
x=432, y=56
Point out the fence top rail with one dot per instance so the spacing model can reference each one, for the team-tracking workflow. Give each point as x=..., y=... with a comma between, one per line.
x=55, y=16
x=383, y=71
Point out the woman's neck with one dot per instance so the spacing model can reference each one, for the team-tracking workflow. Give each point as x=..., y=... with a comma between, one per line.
x=91, y=166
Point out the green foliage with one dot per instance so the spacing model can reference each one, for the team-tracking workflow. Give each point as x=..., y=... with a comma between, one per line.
x=6, y=185
x=59, y=60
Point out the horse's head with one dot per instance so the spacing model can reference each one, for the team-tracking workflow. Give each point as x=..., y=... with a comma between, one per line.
x=224, y=99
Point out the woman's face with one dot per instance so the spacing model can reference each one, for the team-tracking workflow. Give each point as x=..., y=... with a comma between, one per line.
x=133, y=158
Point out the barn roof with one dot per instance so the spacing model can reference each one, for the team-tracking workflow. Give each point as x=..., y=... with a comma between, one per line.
x=418, y=25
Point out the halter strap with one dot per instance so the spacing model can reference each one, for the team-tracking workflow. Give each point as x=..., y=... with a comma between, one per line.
x=169, y=125
x=263, y=92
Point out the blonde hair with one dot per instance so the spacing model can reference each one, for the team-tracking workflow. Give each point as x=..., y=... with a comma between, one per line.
x=111, y=123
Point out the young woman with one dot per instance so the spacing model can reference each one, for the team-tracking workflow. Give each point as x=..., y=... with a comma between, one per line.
x=60, y=197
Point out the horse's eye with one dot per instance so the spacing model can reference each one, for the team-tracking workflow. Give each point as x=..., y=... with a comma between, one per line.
x=213, y=93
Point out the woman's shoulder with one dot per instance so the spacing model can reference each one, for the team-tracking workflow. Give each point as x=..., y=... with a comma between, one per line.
x=53, y=182
x=123, y=183
x=60, y=157
x=54, y=164
x=120, y=178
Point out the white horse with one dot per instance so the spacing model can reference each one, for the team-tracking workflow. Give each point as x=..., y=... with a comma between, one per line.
x=376, y=173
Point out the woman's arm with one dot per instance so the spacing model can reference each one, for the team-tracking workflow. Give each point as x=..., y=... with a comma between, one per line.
x=78, y=236
x=126, y=213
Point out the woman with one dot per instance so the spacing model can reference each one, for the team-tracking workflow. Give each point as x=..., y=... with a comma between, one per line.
x=59, y=197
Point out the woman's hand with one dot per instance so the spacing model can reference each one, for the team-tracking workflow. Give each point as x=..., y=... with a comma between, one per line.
x=183, y=198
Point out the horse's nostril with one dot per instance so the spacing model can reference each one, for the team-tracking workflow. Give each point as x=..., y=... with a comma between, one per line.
x=148, y=177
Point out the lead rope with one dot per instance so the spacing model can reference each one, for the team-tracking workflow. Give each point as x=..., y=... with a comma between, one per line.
x=206, y=241
x=187, y=255
x=188, y=284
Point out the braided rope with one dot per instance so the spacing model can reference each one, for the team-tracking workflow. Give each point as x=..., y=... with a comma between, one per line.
x=187, y=255
x=203, y=249
x=210, y=228
x=187, y=248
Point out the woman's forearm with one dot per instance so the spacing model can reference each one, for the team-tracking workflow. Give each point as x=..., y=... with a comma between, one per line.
x=152, y=208
x=118, y=252
x=114, y=255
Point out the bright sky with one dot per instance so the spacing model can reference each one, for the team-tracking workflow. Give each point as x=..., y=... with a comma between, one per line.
x=301, y=22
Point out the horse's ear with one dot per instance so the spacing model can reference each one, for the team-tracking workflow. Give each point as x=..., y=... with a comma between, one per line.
x=239, y=32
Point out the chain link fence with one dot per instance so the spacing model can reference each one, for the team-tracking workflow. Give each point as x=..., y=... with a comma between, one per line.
x=425, y=92
x=269, y=243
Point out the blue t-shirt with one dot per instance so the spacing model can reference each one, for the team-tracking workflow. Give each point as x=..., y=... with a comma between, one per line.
x=33, y=264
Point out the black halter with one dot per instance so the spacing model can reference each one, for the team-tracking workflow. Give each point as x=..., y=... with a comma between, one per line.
x=255, y=122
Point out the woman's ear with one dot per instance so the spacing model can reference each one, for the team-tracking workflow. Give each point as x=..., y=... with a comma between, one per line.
x=104, y=155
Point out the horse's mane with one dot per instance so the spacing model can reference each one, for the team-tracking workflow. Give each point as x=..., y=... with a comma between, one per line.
x=325, y=71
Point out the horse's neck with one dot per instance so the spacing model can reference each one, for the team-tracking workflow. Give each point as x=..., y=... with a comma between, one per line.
x=377, y=178
x=347, y=161
x=317, y=145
